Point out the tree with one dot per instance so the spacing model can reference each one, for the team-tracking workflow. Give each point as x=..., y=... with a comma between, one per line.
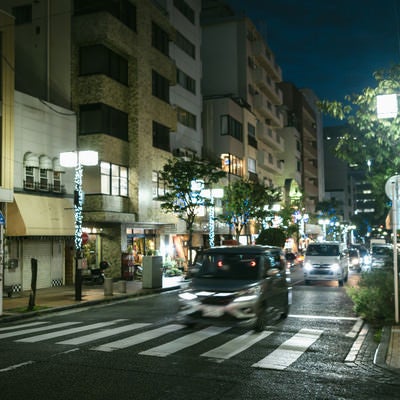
x=244, y=201
x=367, y=138
x=272, y=237
x=182, y=195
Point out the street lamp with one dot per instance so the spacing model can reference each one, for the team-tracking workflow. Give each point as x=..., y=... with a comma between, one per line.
x=387, y=107
x=77, y=159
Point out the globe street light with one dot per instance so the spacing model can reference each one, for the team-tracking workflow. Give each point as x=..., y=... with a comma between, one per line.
x=77, y=159
x=387, y=107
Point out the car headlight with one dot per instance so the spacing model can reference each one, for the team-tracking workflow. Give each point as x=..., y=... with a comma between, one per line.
x=248, y=294
x=307, y=266
x=335, y=268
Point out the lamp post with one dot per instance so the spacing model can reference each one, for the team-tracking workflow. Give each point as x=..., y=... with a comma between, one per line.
x=387, y=107
x=77, y=159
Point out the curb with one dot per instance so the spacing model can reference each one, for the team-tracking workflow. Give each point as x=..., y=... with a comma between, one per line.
x=143, y=292
x=381, y=351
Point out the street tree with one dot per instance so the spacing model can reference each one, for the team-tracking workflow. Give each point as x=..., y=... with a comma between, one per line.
x=184, y=183
x=244, y=201
x=367, y=139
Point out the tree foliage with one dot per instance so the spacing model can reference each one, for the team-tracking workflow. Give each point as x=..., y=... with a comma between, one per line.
x=244, y=201
x=181, y=196
x=272, y=237
x=365, y=137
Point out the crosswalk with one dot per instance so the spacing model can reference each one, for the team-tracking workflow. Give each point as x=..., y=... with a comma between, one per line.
x=121, y=334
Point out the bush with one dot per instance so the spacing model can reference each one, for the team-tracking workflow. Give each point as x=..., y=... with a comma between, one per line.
x=374, y=297
x=272, y=237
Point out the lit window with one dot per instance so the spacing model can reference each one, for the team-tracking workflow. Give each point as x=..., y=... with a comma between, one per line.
x=114, y=179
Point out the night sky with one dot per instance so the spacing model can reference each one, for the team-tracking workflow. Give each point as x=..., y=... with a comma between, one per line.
x=330, y=46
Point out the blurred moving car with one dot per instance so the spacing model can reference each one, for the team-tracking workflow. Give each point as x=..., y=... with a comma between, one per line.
x=365, y=257
x=291, y=260
x=354, y=259
x=237, y=285
x=326, y=261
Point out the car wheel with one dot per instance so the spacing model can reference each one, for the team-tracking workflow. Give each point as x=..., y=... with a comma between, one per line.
x=307, y=282
x=261, y=321
x=340, y=282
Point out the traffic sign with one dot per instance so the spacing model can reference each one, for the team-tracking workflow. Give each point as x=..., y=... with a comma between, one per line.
x=2, y=220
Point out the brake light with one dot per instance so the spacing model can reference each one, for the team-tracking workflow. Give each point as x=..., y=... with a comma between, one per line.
x=220, y=264
x=253, y=263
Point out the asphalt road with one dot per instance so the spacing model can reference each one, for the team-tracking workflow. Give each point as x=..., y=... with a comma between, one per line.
x=137, y=350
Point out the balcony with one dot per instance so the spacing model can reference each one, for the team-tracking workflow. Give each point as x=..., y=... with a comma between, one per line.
x=270, y=137
x=267, y=85
x=264, y=57
x=269, y=163
x=263, y=106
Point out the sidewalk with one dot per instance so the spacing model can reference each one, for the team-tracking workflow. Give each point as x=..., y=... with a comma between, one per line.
x=53, y=299
x=63, y=297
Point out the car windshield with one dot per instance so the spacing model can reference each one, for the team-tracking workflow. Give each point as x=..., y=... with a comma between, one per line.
x=230, y=266
x=322, y=250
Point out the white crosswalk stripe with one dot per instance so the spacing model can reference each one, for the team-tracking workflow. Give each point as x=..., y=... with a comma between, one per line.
x=288, y=352
x=65, y=332
x=184, y=342
x=103, y=334
x=10, y=328
x=33, y=330
x=236, y=345
x=279, y=359
x=139, y=338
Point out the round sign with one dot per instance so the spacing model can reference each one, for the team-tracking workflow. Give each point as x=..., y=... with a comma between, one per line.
x=391, y=185
x=85, y=237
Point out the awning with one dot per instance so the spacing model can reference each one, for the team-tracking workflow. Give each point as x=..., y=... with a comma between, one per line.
x=30, y=215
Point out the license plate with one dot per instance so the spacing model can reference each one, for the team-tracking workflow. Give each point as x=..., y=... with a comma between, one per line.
x=213, y=312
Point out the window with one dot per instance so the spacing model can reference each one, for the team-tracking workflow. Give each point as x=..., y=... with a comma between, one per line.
x=232, y=164
x=231, y=127
x=159, y=39
x=185, y=9
x=251, y=164
x=123, y=10
x=100, y=118
x=114, y=179
x=158, y=185
x=185, y=45
x=99, y=59
x=57, y=182
x=30, y=178
x=160, y=86
x=44, y=180
x=185, y=81
x=160, y=136
x=22, y=14
x=186, y=118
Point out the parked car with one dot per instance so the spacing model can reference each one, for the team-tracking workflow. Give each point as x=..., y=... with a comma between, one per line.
x=326, y=261
x=237, y=285
x=381, y=256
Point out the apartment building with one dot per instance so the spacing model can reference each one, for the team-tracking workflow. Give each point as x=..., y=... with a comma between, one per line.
x=302, y=117
x=128, y=73
x=242, y=115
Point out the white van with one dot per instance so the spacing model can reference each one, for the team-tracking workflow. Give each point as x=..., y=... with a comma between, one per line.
x=326, y=261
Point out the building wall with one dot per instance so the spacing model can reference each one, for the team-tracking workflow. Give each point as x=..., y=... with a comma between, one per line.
x=47, y=75
x=7, y=107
